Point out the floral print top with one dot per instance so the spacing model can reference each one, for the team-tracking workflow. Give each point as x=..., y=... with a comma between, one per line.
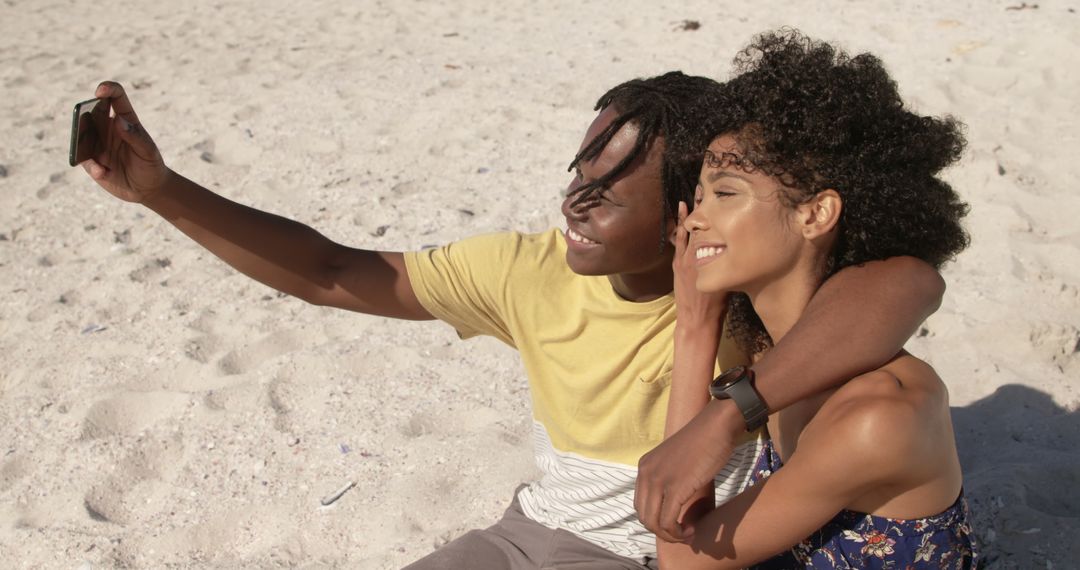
x=859, y=540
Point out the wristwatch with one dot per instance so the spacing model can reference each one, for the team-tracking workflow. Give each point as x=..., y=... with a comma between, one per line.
x=738, y=384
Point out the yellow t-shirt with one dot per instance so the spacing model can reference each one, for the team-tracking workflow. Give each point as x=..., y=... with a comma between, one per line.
x=599, y=370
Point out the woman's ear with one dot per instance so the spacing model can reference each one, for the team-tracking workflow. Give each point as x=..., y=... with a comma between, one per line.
x=820, y=214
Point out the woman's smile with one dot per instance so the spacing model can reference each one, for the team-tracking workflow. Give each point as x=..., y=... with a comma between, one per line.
x=706, y=253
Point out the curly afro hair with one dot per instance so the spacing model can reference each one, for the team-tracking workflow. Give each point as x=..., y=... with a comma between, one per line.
x=816, y=118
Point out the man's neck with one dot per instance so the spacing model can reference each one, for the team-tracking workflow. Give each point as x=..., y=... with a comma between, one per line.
x=644, y=287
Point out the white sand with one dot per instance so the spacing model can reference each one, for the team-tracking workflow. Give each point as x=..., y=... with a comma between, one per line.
x=158, y=409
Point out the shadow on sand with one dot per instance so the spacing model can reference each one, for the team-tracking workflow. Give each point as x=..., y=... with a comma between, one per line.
x=1021, y=457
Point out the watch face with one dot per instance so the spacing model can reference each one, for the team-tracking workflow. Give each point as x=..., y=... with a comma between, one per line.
x=725, y=379
x=729, y=377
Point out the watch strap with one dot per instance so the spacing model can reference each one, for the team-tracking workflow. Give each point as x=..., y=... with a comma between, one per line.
x=747, y=399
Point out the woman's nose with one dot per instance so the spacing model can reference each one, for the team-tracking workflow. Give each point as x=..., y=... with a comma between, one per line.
x=695, y=221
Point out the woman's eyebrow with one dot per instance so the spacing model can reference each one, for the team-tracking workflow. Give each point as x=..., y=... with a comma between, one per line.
x=718, y=174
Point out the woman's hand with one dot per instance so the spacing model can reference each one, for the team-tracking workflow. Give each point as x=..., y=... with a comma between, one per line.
x=128, y=164
x=693, y=308
x=674, y=483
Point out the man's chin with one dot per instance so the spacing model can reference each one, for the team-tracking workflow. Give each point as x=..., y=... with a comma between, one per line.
x=582, y=266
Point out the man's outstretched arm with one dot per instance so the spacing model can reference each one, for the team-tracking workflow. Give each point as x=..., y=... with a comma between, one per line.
x=281, y=253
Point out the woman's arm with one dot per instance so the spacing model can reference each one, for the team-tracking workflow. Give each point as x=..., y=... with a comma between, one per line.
x=859, y=319
x=698, y=327
x=840, y=458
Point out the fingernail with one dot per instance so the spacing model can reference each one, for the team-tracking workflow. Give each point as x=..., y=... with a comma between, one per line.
x=126, y=125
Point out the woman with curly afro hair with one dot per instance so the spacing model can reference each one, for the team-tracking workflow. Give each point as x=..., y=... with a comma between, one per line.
x=813, y=165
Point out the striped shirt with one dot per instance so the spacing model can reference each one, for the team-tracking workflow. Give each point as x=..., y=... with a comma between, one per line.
x=595, y=499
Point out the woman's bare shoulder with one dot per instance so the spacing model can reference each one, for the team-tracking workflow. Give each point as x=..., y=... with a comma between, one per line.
x=883, y=419
x=903, y=381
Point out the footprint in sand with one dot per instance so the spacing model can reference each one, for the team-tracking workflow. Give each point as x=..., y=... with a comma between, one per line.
x=12, y=469
x=245, y=396
x=420, y=424
x=54, y=183
x=133, y=491
x=202, y=349
x=1045, y=494
x=1057, y=343
x=285, y=397
x=131, y=413
x=150, y=269
x=270, y=347
x=248, y=113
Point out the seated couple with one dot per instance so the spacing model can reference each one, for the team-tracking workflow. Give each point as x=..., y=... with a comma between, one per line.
x=817, y=201
x=811, y=166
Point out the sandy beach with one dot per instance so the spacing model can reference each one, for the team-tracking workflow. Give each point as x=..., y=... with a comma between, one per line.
x=158, y=409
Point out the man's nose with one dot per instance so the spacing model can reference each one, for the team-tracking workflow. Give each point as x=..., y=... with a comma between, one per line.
x=575, y=209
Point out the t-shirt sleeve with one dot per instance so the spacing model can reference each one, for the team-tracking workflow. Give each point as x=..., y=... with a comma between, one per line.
x=464, y=283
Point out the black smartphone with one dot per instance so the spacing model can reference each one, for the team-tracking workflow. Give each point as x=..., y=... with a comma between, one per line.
x=89, y=124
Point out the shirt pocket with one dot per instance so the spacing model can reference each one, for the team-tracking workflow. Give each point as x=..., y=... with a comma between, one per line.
x=649, y=407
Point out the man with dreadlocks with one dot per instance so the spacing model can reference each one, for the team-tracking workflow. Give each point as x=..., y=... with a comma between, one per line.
x=590, y=309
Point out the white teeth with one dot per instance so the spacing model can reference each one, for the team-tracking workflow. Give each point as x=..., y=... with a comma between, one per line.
x=703, y=252
x=578, y=237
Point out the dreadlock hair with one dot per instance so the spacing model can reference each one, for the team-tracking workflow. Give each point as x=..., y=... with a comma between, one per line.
x=671, y=107
x=816, y=118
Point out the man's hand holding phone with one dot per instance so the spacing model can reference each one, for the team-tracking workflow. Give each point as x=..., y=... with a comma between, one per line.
x=124, y=159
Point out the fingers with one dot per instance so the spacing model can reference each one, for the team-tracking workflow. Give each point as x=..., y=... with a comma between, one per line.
x=644, y=501
x=118, y=98
x=640, y=496
x=652, y=502
x=692, y=514
x=136, y=136
x=680, y=232
x=668, y=531
x=668, y=519
x=95, y=170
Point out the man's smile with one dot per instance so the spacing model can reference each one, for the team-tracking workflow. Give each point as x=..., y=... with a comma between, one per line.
x=576, y=237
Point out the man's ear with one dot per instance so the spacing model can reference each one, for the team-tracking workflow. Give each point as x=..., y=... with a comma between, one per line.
x=819, y=215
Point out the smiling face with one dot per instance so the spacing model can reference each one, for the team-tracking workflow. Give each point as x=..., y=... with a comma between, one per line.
x=743, y=236
x=617, y=230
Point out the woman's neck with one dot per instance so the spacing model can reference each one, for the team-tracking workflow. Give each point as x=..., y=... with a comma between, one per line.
x=780, y=303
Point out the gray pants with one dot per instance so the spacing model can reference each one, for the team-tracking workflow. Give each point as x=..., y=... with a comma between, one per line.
x=519, y=543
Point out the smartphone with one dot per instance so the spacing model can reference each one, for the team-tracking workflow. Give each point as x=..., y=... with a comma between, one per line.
x=89, y=125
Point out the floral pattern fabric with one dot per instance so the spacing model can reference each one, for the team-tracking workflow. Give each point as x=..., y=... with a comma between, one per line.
x=859, y=540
